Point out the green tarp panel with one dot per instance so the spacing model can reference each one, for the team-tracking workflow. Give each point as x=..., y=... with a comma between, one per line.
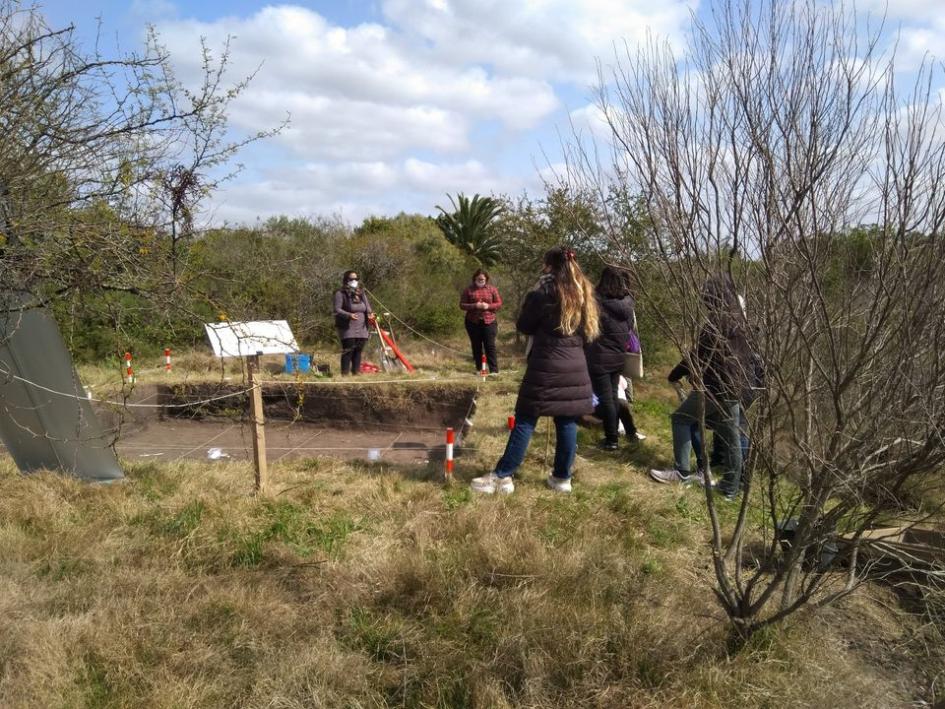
x=45, y=420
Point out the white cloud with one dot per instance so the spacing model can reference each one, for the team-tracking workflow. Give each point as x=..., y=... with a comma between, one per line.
x=459, y=82
x=345, y=129
x=918, y=43
x=591, y=121
x=356, y=190
x=557, y=39
x=921, y=10
x=355, y=92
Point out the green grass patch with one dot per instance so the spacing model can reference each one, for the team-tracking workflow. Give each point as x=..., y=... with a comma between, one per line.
x=380, y=636
x=563, y=516
x=63, y=568
x=151, y=480
x=665, y=532
x=96, y=688
x=293, y=525
x=455, y=497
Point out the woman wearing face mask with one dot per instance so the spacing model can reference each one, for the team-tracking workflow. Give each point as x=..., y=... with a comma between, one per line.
x=481, y=300
x=560, y=314
x=352, y=315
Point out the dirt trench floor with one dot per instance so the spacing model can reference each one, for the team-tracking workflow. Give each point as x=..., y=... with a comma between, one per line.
x=393, y=423
x=183, y=439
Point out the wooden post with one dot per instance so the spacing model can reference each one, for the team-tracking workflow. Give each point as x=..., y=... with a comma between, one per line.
x=259, y=425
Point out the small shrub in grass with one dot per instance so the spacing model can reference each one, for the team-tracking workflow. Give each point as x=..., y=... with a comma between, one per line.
x=456, y=497
x=249, y=550
x=651, y=567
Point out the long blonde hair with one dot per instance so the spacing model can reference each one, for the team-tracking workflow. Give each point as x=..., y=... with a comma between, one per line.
x=575, y=293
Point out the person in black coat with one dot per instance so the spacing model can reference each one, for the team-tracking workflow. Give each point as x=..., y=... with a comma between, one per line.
x=717, y=367
x=606, y=354
x=560, y=317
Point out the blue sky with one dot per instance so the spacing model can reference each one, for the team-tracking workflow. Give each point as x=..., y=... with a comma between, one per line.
x=395, y=103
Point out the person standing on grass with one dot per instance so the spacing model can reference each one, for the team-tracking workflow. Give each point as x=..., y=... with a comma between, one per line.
x=606, y=355
x=481, y=300
x=353, y=313
x=755, y=372
x=719, y=358
x=560, y=316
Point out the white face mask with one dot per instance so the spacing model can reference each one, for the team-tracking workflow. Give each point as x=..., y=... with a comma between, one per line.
x=480, y=282
x=353, y=283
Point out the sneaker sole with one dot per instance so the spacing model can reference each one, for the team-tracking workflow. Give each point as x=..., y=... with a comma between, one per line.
x=663, y=481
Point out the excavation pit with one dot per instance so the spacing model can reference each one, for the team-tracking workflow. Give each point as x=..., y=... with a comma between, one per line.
x=392, y=422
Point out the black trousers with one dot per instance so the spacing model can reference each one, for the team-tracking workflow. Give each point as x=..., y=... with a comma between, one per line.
x=610, y=408
x=351, y=354
x=482, y=336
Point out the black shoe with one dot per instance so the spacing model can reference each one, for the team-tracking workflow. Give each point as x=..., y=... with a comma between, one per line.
x=606, y=445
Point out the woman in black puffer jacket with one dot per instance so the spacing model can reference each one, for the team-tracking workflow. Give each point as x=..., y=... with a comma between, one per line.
x=606, y=355
x=560, y=316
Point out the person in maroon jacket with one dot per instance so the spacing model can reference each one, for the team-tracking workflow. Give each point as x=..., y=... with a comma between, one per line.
x=481, y=300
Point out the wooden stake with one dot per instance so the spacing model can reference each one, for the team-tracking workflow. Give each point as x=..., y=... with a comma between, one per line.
x=259, y=426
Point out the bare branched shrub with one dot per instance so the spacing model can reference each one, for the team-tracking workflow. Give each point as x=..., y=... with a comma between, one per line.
x=103, y=160
x=782, y=150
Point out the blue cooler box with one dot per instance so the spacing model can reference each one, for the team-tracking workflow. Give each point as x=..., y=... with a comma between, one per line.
x=298, y=363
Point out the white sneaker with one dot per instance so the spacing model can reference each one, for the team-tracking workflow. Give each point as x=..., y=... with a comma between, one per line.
x=639, y=436
x=491, y=483
x=558, y=484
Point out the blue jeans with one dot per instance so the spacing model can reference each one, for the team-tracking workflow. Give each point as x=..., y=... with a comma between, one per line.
x=718, y=453
x=521, y=435
x=723, y=418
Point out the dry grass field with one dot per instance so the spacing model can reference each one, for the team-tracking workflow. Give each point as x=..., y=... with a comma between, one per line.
x=373, y=585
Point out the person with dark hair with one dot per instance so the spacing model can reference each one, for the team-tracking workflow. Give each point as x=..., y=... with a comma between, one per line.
x=353, y=313
x=754, y=370
x=560, y=316
x=481, y=300
x=606, y=355
x=716, y=367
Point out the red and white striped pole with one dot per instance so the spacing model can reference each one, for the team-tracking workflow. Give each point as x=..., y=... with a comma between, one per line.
x=483, y=369
x=450, y=440
x=129, y=372
x=167, y=359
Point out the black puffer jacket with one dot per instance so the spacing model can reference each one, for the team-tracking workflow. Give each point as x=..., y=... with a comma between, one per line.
x=606, y=353
x=556, y=381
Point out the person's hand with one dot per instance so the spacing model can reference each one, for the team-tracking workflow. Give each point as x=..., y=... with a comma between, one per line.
x=482, y=306
x=355, y=316
x=372, y=318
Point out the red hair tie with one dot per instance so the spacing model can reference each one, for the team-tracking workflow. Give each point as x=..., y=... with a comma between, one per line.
x=569, y=254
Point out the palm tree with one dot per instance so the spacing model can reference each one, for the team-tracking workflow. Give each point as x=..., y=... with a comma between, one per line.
x=470, y=226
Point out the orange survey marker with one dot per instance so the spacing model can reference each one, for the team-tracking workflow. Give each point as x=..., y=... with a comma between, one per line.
x=390, y=349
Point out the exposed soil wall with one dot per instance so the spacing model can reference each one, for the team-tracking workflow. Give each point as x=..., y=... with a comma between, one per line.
x=338, y=406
